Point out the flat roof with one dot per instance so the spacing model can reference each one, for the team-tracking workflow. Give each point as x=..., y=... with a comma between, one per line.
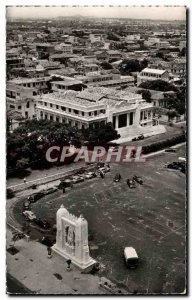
x=154, y=71
x=28, y=80
x=67, y=82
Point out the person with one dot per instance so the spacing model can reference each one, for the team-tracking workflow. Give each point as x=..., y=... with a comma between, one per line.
x=49, y=252
x=24, y=180
x=68, y=265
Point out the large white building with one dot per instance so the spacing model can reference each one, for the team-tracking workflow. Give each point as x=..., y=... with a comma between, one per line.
x=128, y=112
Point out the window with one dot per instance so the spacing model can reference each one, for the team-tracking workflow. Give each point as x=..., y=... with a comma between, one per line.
x=51, y=118
x=95, y=113
x=131, y=118
x=89, y=113
x=57, y=106
x=83, y=113
x=69, y=109
x=26, y=114
x=57, y=119
x=19, y=107
x=28, y=105
x=63, y=108
x=12, y=106
x=51, y=105
x=45, y=103
x=122, y=120
x=76, y=111
x=45, y=116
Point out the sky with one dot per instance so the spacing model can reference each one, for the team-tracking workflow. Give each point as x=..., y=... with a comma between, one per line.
x=156, y=13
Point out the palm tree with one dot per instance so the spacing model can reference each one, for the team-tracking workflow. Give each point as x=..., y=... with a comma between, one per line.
x=16, y=237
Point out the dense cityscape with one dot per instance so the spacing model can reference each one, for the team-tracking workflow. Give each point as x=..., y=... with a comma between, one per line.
x=100, y=226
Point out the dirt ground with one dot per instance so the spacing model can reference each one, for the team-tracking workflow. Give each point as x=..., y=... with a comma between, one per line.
x=150, y=218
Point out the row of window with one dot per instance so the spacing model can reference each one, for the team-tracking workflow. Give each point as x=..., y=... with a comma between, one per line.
x=75, y=111
x=151, y=75
x=33, y=84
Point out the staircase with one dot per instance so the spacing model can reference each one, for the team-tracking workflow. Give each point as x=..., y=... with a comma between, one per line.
x=128, y=133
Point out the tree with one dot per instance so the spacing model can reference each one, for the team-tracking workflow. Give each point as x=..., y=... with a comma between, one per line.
x=106, y=66
x=171, y=114
x=158, y=85
x=143, y=64
x=146, y=94
x=128, y=66
x=16, y=237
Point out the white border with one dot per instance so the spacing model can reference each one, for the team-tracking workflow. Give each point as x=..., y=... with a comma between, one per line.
x=3, y=4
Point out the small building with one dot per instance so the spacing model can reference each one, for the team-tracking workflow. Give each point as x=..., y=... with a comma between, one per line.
x=148, y=74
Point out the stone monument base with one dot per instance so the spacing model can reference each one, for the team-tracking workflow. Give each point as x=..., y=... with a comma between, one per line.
x=85, y=267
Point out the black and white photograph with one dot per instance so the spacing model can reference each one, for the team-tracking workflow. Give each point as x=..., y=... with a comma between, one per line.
x=96, y=150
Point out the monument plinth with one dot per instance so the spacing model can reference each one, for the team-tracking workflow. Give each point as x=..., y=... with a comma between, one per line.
x=72, y=239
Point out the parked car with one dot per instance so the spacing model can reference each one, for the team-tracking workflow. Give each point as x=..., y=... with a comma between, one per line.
x=138, y=138
x=42, y=223
x=177, y=166
x=170, y=150
x=117, y=177
x=104, y=169
x=36, y=196
x=137, y=179
x=131, y=257
x=50, y=191
x=77, y=179
x=29, y=215
x=65, y=183
x=89, y=175
x=26, y=205
x=131, y=183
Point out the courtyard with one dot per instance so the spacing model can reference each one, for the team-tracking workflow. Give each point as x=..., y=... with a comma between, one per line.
x=150, y=218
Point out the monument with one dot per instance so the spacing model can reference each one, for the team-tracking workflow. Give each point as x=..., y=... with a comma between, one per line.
x=72, y=239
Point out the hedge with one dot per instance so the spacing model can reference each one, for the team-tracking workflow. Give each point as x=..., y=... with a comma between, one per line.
x=164, y=144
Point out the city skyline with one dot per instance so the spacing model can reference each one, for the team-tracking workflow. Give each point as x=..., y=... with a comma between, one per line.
x=132, y=12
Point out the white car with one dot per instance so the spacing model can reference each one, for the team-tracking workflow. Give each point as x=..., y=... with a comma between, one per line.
x=89, y=175
x=104, y=169
x=29, y=215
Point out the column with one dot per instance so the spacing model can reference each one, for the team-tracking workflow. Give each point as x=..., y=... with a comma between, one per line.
x=127, y=119
x=116, y=122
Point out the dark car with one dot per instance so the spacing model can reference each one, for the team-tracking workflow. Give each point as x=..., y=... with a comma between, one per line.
x=36, y=196
x=117, y=177
x=137, y=179
x=26, y=205
x=170, y=150
x=138, y=138
x=43, y=224
x=131, y=183
x=177, y=166
x=50, y=191
x=65, y=183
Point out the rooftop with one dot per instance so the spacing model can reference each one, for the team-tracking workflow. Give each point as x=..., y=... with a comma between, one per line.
x=153, y=71
x=28, y=80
